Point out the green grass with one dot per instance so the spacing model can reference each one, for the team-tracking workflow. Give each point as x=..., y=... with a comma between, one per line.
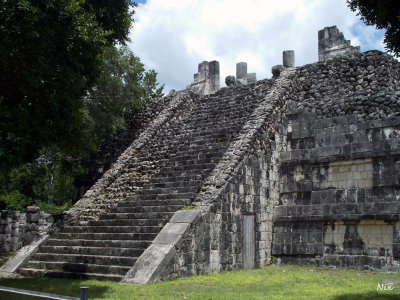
x=272, y=282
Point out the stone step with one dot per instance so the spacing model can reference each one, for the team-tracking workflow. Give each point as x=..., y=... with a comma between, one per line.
x=218, y=142
x=161, y=179
x=106, y=236
x=166, y=194
x=200, y=156
x=169, y=191
x=103, y=251
x=85, y=259
x=194, y=169
x=71, y=275
x=129, y=222
x=172, y=184
x=136, y=244
x=78, y=267
x=222, y=118
x=134, y=201
x=112, y=229
x=215, y=124
x=169, y=172
x=203, y=131
x=139, y=215
x=134, y=209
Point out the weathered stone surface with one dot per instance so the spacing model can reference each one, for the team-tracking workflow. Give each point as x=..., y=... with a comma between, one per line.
x=277, y=70
x=186, y=216
x=19, y=229
x=206, y=81
x=241, y=70
x=22, y=256
x=288, y=58
x=150, y=264
x=331, y=43
x=231, y=81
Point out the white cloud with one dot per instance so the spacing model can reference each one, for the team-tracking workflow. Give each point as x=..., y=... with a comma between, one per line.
x=173, y=36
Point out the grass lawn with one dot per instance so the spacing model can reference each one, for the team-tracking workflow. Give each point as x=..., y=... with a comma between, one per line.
x=272, y=282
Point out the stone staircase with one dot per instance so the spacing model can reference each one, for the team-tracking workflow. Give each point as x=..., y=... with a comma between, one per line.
x=108, y=247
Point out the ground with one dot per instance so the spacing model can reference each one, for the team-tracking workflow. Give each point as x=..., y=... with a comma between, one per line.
x=272, y=282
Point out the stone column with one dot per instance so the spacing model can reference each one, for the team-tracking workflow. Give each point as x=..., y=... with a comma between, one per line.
x=203, y=70
x=241, y=70
x=331, y=43
x=214, y=76
x=288, y=58
x=251, y=78
x=38, y=223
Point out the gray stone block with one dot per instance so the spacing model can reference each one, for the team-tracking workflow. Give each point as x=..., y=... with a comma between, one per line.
x=175, y=228
x=150, y=264
x=169, y=238
x=186, y=216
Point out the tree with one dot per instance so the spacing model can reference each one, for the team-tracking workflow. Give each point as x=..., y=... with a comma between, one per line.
x=50, y=55
x=122, y=89
x=384, y=14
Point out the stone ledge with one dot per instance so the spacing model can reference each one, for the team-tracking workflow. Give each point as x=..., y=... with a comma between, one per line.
x=344, y=217
x=186, y=216
x=150, y=264
x=22, y=256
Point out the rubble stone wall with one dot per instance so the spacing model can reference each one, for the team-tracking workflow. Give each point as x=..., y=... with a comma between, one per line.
x=19, y=229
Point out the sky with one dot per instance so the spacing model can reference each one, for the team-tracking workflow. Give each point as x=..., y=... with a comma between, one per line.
x=174, y=36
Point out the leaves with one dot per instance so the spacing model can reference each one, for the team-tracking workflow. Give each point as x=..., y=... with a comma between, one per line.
x=384, y=14
x=51, y=53
x=122, y=89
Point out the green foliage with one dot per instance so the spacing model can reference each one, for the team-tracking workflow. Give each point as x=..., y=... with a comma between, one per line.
x=46, y=182
x=189, y=207
x=384, y=14
x=15, y=201
x=53, y=209
x=122, y=90
x=50, y=54
x=114, y=17
x=272, y=282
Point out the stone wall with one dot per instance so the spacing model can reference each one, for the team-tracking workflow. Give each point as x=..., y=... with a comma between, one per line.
x=339, y=190
x=318, y=165
x=19, y=229
x=214, y=243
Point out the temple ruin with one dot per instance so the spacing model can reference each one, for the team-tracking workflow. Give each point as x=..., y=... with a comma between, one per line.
x=301, y=168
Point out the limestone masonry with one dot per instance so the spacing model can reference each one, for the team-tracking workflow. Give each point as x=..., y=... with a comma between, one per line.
x=302, y=168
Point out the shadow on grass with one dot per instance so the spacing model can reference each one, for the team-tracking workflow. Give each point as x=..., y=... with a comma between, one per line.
x=367, y=296
x=64, y=287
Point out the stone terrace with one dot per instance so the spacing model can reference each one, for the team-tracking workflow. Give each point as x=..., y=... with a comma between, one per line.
x=176, y=160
